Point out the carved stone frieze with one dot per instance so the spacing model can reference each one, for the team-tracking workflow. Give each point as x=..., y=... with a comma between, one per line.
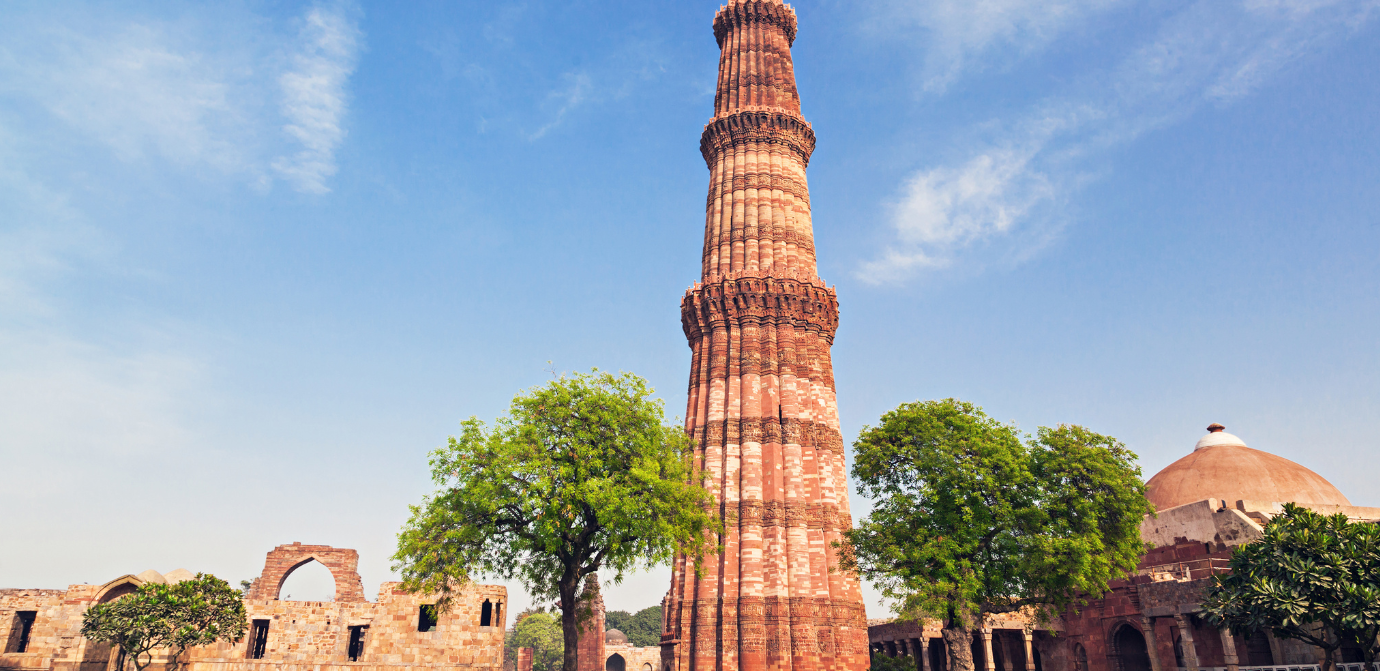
x=750, y=512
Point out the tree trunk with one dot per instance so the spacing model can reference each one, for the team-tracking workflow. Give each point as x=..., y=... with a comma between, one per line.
x=135, y=659
x=959, y=640
x=570, y=624
x=1328, y=661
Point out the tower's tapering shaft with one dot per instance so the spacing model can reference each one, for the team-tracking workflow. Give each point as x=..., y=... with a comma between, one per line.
x=761, y=396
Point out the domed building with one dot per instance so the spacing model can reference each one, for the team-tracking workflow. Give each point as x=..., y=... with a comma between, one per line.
x=1222, y=465
x=1207, y=502
x=1216, y=497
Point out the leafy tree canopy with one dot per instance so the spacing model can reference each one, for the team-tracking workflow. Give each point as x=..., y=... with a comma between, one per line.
x=643, y=628
x=971, y=518
x=582, y=475
x=542, y=633
x=1311, y=577
x=199, y=611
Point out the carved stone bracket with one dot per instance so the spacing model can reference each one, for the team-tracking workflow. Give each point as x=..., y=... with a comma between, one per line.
x=770, y=128
x=759, y=300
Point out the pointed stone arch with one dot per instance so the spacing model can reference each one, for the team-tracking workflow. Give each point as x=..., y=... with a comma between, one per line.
x=615, y=662
x=125, y=584
x=284, y=559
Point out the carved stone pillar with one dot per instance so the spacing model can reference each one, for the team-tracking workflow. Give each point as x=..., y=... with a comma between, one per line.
x=1276, y=651
x=1029, y=637
x=924, y=653
x=1229, y=649
x=1186, y=634
x=989, y=661
x=1148, y=627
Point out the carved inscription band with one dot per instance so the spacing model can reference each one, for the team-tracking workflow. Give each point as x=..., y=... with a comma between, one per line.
x=769, y=514
x=770, y=430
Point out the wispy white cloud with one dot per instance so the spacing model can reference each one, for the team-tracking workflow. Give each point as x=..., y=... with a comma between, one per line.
x=191, y=94
x=135, y=88
x=315, y=97
x=964, y=35
x=1001, y=199
x=573, y=94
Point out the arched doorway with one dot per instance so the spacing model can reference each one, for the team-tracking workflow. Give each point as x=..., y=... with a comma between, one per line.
x=1128, y=649
x=308, y=581
x=615, y=663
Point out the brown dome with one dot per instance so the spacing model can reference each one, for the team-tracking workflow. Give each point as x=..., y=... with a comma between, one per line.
x=1222, y=467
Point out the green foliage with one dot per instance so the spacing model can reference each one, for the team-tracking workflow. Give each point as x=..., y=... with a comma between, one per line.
x=617, y=619
x=643, y=628
x=582, y=475
x=970, y=517
x=199, y=611
x=882, y=662
x=542, y=633
x=1311, y=577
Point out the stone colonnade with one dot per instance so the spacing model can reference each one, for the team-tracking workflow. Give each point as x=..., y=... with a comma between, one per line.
x=1170, y=645
x=989, y=643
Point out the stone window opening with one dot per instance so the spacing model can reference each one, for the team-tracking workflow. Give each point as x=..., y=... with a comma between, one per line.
x=22, y=628
x=426, y=617
x=615, y=663
x=486, y=613
x=258, y=639
x=357, y=634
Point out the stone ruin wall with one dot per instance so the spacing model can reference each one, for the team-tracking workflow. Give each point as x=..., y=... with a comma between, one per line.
x=302, y=635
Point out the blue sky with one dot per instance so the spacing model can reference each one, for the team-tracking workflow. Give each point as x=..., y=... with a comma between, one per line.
x=258, y=258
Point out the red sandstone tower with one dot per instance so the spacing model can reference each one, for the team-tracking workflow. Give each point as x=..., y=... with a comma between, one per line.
x=761, y=397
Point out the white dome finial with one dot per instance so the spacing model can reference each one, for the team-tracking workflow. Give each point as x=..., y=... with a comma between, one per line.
x=1217, y=435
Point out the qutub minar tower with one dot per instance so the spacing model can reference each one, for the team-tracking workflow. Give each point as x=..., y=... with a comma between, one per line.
x=761, y=396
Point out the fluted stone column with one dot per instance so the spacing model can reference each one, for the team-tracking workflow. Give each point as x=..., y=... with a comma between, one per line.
x=1229, y=649
x=1148, y=627
x=760, y=402
x=1186, y=634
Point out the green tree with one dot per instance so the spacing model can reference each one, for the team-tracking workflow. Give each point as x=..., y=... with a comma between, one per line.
x=971, y=519
x=582, y=475
x=1311, y=577
x=542, y=633
x=199, y=611
x=617, y=619
x=643, y=627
